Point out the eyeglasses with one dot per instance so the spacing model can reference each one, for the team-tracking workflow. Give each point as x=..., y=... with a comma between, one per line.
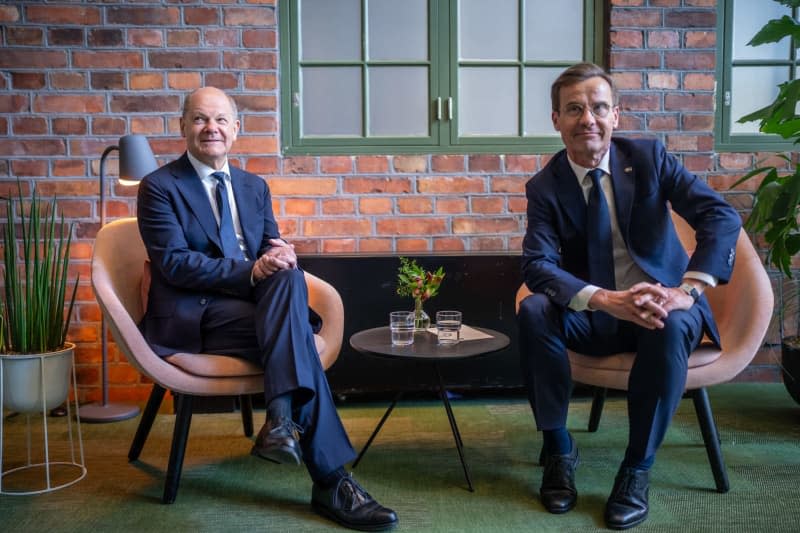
x=599, y=110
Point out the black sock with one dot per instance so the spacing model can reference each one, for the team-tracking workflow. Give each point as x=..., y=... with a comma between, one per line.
x=632, y=461
x=557, y=441
x=280, y=407
x=329, y=480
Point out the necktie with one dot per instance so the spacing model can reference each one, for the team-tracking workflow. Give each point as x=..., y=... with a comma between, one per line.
x=230, y=244
x=600, y=249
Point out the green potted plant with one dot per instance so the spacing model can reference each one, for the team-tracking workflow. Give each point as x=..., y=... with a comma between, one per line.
x=420, y=284
x=776, y=201
x=35, y=356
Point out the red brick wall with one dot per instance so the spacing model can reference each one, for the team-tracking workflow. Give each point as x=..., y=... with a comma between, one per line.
x=76, y=76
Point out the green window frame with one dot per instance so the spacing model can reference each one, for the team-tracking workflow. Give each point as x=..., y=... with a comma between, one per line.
x=445, y=130
x=732, y=104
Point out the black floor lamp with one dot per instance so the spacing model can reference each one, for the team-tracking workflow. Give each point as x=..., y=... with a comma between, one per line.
x=136, y=160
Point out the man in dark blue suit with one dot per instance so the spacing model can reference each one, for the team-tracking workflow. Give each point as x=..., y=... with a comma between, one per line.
x=223, y=281
x=609, y=275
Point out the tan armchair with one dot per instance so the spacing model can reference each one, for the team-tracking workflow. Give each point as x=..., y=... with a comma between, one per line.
x=118, y=265
x=742, y=310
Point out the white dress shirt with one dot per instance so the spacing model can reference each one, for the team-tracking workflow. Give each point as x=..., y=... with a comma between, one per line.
x=210, y=184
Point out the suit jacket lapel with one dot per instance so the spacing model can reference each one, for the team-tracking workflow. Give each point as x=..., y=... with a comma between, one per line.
x=243, y=193
x=569, y=192
x=623, y=180
x=191, y=188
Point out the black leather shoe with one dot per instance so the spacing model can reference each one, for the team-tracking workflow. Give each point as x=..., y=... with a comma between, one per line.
x=627, y=506
x=349, y=505
x=278, y=442
x=558, y=491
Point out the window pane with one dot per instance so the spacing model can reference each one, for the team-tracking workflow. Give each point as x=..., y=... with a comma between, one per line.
x=748, y=18
x=397, y=30
x=398, y=101
x=537, y=101
x=752, y=89
x=553, y=30
x=331, y=101
x=330, y=30
x=486, y=32
x=488, y=101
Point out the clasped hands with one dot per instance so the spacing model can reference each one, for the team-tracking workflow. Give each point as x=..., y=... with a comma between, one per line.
x=280, y=256
x=644, y=304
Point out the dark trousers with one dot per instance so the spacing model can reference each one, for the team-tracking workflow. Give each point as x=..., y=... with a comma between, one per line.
x=274, y=331
x=656, y=382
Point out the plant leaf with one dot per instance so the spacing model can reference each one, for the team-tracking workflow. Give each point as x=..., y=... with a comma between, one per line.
x=775, y=30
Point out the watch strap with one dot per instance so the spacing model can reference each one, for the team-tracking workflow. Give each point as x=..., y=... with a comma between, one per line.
x=690, y=290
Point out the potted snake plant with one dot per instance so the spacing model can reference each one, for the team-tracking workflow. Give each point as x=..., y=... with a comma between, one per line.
x=35, y=357
x=776, y=201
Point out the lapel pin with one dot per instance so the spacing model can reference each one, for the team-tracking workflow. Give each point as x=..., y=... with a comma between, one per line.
x=628, y=169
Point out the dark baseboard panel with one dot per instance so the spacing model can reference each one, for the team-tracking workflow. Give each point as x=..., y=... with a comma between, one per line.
x=482, y=286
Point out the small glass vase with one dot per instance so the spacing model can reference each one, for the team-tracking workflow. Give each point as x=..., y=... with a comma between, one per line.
x=421, y=319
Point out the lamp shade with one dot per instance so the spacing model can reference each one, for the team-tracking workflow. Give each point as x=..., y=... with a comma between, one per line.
x=136, y=159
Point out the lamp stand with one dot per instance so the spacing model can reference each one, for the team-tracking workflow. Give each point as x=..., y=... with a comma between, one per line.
x=106, y=411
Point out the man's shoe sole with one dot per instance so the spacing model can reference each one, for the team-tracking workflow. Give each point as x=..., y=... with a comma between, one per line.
x=561, y=510
x=281, y=455
x=619, y=527
x=324, y=511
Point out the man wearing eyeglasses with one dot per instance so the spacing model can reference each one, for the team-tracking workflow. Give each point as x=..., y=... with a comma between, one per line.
x=608, y=275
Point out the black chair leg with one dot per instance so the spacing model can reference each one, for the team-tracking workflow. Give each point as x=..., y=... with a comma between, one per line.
x=246, y=406
x=711, y=438
x=183, y=419
x=146, y=421
x=597, y=408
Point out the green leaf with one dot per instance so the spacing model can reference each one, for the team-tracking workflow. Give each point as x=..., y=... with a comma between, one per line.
x=779, y=117
x=775, y=30
x=793, y=244
x=761, y=114
x=751, y=174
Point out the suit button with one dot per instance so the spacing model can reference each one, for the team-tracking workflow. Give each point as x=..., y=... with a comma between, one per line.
x=203, y=301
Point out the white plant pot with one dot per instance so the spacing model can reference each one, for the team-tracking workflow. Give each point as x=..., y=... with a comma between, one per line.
x=36, y=382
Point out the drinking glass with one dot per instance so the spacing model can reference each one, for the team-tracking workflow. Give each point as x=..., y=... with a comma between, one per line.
x=401, y=324
x=448, y=326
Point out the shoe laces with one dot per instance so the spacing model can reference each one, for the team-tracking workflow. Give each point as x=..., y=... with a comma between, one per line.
x=353, y=494
x=628, y=483
x=556, y=469
x=289, y=424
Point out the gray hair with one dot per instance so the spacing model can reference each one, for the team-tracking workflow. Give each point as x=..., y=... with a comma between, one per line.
x=231, y=101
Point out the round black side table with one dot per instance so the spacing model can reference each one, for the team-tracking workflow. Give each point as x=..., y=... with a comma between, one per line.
x=377, y=342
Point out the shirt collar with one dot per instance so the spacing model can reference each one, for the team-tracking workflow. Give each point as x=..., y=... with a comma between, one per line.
x=580, y=172
x=203, y=170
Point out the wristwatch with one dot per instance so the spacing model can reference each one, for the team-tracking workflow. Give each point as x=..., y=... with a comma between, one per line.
x=689, y=289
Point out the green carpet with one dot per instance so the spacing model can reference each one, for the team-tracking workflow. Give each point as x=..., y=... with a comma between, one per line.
x=413, y=467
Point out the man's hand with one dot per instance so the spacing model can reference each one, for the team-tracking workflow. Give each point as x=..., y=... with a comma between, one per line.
x=644, y=304
x=280, y=256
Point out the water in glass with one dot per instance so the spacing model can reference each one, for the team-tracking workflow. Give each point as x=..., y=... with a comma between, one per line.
x=401, y=325
x=448, y=326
